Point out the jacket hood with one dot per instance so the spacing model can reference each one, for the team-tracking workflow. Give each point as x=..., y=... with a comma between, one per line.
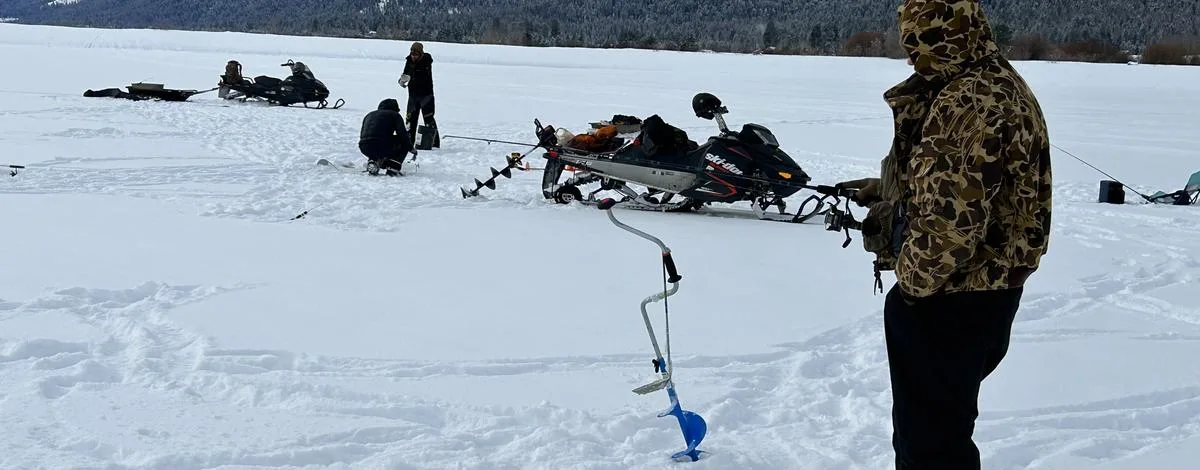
x=943, y=37
x=389, y=103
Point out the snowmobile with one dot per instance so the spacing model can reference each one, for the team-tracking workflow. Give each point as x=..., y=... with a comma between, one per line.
x=680, y=175
x=301, y=87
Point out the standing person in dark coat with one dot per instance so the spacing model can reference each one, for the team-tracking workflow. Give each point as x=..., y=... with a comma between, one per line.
x=418, y=79
x=383, y=138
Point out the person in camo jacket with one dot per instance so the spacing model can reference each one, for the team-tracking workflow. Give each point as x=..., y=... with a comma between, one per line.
x=961, y=214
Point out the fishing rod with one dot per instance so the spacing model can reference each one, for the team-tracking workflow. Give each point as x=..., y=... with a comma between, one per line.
x=491, y=141
x=1147, y=198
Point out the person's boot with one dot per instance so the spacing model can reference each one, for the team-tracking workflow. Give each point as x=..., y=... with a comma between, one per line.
x=392, y=167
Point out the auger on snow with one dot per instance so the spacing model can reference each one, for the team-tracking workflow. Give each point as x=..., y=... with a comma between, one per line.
x=513, y=161
x=691, y=424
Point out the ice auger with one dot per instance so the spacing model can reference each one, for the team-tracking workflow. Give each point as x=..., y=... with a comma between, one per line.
x=691, y=424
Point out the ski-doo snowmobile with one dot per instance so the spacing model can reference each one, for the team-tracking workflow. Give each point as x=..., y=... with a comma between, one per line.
x=301, y=87
x=678, y=173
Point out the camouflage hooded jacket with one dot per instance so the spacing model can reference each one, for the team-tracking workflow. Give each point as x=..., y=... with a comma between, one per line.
x=969, y=167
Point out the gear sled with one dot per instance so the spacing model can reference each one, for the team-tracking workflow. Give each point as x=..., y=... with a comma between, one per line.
x=675, y=174
x=301, y=87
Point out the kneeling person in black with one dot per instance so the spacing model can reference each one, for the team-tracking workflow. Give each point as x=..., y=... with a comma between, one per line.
x=384, y=139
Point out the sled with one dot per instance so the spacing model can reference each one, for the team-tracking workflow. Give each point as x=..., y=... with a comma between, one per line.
x=145, y=91
x=159, y=92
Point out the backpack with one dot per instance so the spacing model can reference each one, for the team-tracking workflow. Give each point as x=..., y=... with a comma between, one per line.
x=233, y=72
x=660, y=138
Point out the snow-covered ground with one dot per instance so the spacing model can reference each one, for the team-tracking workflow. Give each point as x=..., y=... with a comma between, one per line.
x=159, y=308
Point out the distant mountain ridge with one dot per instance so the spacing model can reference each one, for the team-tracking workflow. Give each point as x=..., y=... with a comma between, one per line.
x=818, y=26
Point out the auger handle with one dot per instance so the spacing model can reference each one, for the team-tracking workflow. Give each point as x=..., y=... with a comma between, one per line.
x=607, y=204
x=835, y=191
x=670, y=264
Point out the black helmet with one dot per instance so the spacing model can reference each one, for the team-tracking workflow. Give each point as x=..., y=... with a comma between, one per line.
x=707, y=106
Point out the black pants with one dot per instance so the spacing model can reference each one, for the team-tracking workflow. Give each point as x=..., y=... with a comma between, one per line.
x=939, y=351
x=385, y=153
x=422, y=107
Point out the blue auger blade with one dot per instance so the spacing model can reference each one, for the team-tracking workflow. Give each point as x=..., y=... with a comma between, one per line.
x=691, y=425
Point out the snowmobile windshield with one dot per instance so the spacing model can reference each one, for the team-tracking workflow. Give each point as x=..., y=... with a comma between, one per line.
x=767, y=137
x=755, y=134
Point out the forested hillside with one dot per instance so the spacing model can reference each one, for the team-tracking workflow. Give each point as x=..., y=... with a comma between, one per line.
x=781, y=26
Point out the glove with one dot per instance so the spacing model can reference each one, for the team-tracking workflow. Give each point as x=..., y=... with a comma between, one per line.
x=868, y=190
x=404, y=81
x=879, y=223
x=877, y=233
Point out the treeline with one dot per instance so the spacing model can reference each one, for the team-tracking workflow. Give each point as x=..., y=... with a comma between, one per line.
x=1038, y=28
x=1170, y=51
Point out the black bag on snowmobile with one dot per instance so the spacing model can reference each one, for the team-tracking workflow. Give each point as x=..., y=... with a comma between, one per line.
x=660, y=139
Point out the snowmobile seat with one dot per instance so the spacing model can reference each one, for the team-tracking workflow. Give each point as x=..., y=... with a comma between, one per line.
x=264, y=81
x=227, y=80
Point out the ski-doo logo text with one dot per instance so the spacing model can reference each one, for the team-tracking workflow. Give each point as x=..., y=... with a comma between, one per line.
x=723, y=164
